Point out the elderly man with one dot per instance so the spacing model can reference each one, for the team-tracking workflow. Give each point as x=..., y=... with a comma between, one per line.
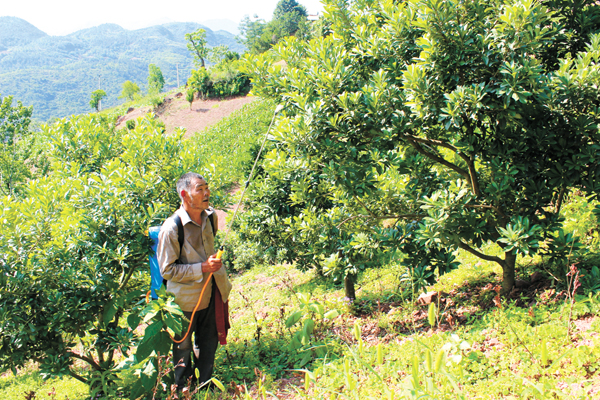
x=186, y=270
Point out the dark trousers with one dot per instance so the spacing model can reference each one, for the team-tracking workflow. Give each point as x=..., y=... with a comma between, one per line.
x=206, y=340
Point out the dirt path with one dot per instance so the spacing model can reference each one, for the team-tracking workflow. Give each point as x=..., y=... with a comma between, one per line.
x=175, y=112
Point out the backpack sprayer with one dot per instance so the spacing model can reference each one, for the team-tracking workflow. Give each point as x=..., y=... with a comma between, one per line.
x=222, y=248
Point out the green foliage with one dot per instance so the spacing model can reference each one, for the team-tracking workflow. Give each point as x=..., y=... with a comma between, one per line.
x=222, y=80
x=523, y=352
x=163, y=319
x=157, y=100
x=197, y=45
x=130, y=90
x=199, y=82
x=580, y=219
x=16, y=387
x=289, y=19
x=156, y=80
x=189, y=96
x=314, y=320
x=74, y=251
x=97, y=96
x=448, y=116
x=16, y=143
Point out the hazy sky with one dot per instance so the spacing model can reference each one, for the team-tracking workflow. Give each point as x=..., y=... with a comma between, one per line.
x=61, y=17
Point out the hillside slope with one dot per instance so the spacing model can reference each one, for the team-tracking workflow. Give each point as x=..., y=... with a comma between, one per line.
x=56, y=74
x=17, y=32
x=176, y=112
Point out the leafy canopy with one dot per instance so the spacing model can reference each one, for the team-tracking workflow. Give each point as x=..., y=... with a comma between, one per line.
x=425, y=127
x=97, y=96
x=289, y=19
x=197, y=45
x=129, y=91
x=15, y=145
x=156, y=80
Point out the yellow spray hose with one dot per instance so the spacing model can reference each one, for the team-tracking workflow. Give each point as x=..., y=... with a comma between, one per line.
x=219, y=254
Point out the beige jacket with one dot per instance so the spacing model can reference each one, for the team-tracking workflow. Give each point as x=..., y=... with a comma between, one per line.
x=185, y=280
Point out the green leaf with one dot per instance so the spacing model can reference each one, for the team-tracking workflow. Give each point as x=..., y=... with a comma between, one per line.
x=148, y=376
x=309, y=326
x=317, y=308
x=218, y=384
x=146, y=347
x=307, y=357
x=133, y=320
x=110, y=310
x=175, y=324
x=293, y=319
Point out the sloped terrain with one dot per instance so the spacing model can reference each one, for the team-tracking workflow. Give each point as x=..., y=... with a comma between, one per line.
x=176, y=112
x=17, y=32
x=57, y=74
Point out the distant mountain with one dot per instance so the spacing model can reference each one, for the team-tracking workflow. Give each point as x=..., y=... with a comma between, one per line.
x=57, y=74
x=17, y=32
x=222, y=25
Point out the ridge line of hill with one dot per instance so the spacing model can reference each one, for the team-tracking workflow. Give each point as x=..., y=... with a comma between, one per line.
x=57, y=74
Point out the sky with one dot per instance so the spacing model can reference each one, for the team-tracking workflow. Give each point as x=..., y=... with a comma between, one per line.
x=61, y=17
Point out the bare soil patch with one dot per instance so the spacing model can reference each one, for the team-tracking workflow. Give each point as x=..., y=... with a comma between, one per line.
x=175, y=112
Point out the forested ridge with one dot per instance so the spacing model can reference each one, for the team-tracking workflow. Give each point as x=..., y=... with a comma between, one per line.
x=56, y=74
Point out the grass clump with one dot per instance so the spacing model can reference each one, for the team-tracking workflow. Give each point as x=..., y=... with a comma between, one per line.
x=30, y=384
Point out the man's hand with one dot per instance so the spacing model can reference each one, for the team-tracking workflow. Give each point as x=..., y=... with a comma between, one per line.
x=212, y=264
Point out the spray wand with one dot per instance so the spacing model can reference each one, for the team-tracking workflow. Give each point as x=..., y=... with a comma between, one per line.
x=222, y=248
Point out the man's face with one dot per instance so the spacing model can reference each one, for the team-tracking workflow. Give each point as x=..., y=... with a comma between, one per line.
x=198, y=196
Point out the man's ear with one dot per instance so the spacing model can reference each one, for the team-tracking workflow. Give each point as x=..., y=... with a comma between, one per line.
x=183, y=194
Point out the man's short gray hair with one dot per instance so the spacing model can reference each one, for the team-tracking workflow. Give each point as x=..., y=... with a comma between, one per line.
x=185, y=181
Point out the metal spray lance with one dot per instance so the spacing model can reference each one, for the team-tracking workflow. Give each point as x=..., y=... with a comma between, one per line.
x=222, y=248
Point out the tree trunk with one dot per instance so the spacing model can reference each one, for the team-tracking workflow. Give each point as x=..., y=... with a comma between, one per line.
x=349, y=288
x=508, y=272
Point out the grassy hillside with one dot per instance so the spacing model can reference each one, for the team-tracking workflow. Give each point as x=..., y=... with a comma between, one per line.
x=56, y=74
x=294, y=335
x=385, y=347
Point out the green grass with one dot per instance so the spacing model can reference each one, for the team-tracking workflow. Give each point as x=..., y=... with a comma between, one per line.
x=229, y=144
x=17, y=387
x=377, y=349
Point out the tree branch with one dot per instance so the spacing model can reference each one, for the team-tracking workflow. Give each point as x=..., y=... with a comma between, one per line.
x=487, y=206
x=474, y=180
x=471, y=175
x=559, y=201
x=470, y=162
x=434, y=142
x=78, y=377
x=372, y=214
x=439, y=159
x=479, y=254
x=401, y=216
x=87, y=359
x=126, y=279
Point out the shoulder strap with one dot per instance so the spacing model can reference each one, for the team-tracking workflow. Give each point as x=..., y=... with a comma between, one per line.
x=180, y=234
x=211, y=217
x=180, y=237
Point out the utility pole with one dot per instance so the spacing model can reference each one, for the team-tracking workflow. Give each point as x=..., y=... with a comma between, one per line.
x=177, y=76
x=99, y=101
